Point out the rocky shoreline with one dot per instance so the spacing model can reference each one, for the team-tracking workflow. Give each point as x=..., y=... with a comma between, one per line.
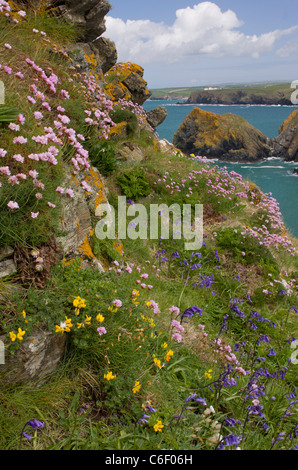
x=231, y=138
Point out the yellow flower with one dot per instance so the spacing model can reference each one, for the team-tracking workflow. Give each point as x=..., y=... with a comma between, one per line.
x=20, y=334
x=100, y=318
x=88, y=320
x=12, y=336
x=80, y=325
x=136, y=387
x=109, y=376
x=164, y=345
x=208, y=374
x=79, y=303
x=158, y=426
x=113, y=308
x=169, y=354
x=157, y=362
x=64, y=326
x=23, y=313
x=149, y=304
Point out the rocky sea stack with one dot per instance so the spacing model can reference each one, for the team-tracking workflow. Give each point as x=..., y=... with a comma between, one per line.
x=286, y=144
x=228, y=137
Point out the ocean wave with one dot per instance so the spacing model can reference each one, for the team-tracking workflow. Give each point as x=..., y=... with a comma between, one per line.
x=263, y=166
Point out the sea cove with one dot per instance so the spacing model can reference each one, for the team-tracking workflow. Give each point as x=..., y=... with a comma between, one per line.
x=273, y=175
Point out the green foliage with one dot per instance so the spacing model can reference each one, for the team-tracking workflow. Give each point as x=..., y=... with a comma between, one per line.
x=247, y=250
x=121, y=115
x=134, y=184
x=102, y=156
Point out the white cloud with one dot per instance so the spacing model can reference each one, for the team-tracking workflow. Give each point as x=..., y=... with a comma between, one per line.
x=203, y=29
x=289, y=49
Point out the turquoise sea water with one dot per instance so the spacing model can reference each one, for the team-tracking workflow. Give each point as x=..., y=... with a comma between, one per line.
x=273, y=175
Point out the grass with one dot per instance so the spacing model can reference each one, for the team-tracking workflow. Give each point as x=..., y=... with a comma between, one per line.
x=122, y=359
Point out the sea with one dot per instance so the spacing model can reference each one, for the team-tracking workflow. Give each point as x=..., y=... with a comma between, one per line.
x=273, y=175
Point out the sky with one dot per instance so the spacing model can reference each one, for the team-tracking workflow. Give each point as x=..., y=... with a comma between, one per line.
x=182, y=43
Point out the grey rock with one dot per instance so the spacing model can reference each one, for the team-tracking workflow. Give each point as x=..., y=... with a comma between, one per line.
x=107, y=52
x=156, y=116
x=7, y=268
x=38, y=356
x=6, y=252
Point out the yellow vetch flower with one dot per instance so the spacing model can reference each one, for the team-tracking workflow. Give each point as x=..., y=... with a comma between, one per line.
x=136, y=387
x=157, y=362
x=164, y=345
x=109, y=376
x=20, y=334
x=64, y=326
x=12, y=335
x=158, y=426
x=208, y=374
x=79, y=303
x=100, y=318
x=88, y=320
x=169, y=354
x=80, y=325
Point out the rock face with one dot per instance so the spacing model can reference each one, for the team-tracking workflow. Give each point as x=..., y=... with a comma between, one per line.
x=286, y=144
x=87, y=14
x=227, y=137
x=156, y=116
x=107, y=52
x=37, y=357
x=125, y=81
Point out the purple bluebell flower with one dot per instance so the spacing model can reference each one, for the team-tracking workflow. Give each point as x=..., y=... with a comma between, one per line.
x=190, y=312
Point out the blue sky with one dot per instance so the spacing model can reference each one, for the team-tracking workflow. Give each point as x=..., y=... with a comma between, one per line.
x=188, y=43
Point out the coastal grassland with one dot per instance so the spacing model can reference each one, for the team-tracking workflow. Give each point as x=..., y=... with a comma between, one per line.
x=230, y=311
x=168, y=348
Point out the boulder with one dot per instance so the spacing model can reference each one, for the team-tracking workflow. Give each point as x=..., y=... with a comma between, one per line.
x=227, y=137
x=7, y=268
x=156, y=116
x=38, y=356
x=125, y=81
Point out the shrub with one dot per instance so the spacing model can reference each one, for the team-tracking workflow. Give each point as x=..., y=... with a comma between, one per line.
x=124, y=115
x=134, y=184
x=102, y=156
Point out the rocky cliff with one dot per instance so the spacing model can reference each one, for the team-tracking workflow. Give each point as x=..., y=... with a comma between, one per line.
x=228, y=137
x=286, y=144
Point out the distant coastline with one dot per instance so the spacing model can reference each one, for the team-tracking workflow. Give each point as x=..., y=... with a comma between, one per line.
x=254, y=95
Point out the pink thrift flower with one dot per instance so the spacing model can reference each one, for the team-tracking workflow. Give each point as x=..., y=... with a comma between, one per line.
x=117, y=303
x=21, y=119
x=20, y=140
x=38, y=115
x=34, y=215
x=51, y=205
x=101, y=330
x=3, y=153
x=13, y=205
x=14, y=127
x=177, y=337
x=143, y=286
x=64, y=95
x=69, y=192
x=150, y=287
